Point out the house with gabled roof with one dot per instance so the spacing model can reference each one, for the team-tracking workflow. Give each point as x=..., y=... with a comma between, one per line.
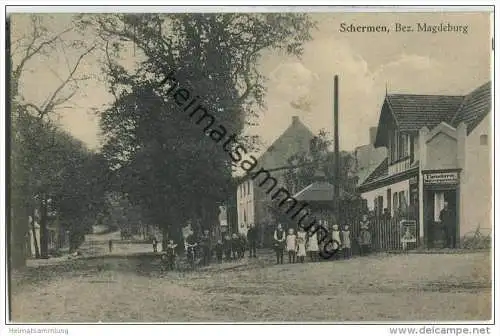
x=438, y=150
x=253, y=204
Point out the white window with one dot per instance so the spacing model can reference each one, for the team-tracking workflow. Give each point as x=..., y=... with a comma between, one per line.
x=399, y=144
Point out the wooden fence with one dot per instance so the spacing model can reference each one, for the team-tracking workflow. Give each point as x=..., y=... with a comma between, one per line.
x=386, y=230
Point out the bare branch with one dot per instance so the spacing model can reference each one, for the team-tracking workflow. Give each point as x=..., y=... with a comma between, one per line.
x=63, y=100
x=31, y=51
x=52, y=102
x=55, y=73
x=32, y=106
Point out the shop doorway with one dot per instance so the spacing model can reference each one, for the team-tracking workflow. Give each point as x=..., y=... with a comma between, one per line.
x=441, y=233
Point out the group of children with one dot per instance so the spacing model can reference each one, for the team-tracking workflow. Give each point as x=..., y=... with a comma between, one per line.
x=299, y=244
x=230, y=248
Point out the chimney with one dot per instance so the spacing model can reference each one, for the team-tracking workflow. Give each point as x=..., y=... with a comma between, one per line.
x=373, y=135
x=295, y=120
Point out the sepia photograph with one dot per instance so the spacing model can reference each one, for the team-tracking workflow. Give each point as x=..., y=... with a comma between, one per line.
x=267, y=165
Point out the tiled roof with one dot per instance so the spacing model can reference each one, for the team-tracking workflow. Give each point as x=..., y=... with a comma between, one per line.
x=320, y=191
x=294, y=140
x=412, y=112
x=381, y=171
x=474, y=108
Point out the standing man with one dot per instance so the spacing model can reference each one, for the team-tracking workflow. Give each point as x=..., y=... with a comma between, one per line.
x=279, y=243
x=365, y=237
x=447, y=218
x=252, y=241
x=206, y=246
x=190, y=245
x=155, y=245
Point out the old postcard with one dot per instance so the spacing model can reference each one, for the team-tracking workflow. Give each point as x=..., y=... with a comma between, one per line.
x=294, y=165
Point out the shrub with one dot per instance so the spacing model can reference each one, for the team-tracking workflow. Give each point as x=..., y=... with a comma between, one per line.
x=477, y=240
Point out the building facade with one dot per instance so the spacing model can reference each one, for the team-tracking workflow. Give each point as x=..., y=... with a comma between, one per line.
x=253, y=204
x=438, y=151
x=367, y=158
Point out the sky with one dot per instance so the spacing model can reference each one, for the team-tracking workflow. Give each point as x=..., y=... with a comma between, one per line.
x=368, y=65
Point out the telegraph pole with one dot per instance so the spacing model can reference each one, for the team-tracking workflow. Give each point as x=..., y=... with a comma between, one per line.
x=336, y=182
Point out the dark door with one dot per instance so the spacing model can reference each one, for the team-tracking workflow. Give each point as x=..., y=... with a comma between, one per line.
x=429, y=231
x=451, y=229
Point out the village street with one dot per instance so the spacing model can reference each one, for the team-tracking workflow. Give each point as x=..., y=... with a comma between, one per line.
x=129, y=286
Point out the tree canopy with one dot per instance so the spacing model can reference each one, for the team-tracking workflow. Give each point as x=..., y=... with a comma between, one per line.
x=320, y=161
x=161, y=160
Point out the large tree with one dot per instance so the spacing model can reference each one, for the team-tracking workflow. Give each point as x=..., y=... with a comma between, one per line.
x=165, y=162
x=33, y=39
x=65, y=179
x=305, y=167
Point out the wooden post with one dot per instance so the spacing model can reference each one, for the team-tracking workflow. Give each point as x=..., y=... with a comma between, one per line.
x=336, y=184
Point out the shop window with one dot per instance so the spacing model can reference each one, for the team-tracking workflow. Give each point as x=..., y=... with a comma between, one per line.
x=483, y=140
x=438, y=205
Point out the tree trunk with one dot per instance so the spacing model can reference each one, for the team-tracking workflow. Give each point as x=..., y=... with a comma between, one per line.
x=44, y=242
x=19, y=227
x=35, y=241
x=164, y=236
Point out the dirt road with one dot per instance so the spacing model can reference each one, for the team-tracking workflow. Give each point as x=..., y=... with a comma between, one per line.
x=376, y=288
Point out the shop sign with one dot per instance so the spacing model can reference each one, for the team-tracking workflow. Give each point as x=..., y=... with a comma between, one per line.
x=441, y=178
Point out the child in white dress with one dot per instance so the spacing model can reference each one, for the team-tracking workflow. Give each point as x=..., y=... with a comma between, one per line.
x=312, y=246
x=346, y=241
x=336, y=240
x=291, y=246
x=301, y=244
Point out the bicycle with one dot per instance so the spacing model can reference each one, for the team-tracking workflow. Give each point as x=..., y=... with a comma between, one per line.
x=191, y=254
x=477, y=240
